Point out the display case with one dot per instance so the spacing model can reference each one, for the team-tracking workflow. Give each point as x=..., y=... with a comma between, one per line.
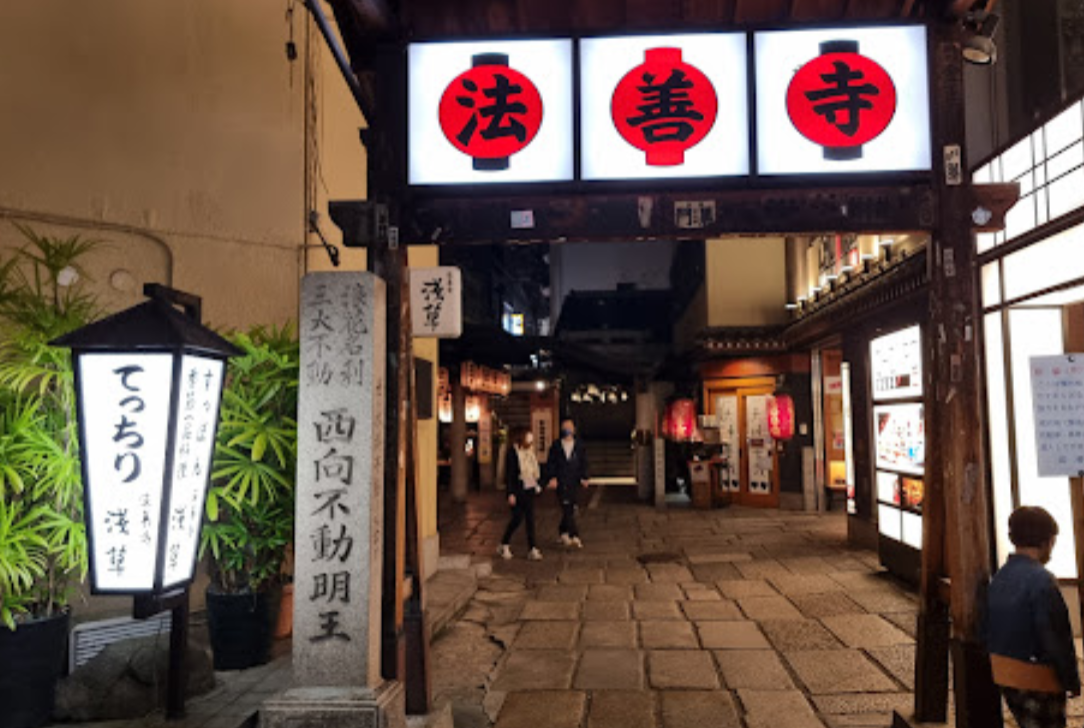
x=899, y=439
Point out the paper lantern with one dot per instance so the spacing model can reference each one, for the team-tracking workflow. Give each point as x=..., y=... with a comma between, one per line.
x=781, y=417
x=681, y=415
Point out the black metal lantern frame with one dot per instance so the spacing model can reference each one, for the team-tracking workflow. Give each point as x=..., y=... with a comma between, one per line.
x=149, y=383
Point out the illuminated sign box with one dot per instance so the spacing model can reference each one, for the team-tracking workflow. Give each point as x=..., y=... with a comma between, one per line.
x=490, y=112
x=843, y=100
x=664, y=106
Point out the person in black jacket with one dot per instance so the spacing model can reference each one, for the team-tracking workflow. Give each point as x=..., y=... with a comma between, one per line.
x=523, y=481
x=566, y=467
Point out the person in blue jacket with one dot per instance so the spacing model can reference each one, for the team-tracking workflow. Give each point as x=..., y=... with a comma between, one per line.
x=523, y=483
x=1027, y=629
x=566, y=466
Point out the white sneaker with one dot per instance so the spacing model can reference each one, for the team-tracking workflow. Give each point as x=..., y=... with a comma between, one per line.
x=575, y=542
x=534, y=555
x=504, y=552
x=564, y=540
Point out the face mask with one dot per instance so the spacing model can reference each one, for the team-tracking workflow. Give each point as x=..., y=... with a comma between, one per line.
x=567, y=433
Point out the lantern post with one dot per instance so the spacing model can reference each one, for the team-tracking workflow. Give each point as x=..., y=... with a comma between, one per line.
x=148, y=384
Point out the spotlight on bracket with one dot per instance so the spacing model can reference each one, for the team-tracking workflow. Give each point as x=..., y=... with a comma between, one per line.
x=980, y=48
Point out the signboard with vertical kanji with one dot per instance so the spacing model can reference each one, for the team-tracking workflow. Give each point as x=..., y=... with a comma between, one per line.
x=436, y=302
x=487, y=112
x=842, y=100
x=1057, y=387
x=664, y=106
x=129, y=394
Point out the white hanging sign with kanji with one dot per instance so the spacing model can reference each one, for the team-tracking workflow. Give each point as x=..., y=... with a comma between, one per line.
x=1057, y=392
x=436, y=302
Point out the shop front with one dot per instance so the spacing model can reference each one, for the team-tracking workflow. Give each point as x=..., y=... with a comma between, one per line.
x=1032, y=277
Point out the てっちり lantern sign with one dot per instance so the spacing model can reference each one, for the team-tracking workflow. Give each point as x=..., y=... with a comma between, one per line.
x=841, y=100
x=781, y=417
x=664, y=106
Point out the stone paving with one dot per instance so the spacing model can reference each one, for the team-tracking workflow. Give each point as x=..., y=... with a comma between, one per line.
x=669, y=619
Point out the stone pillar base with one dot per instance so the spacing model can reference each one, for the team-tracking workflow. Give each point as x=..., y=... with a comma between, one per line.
x=384, y=707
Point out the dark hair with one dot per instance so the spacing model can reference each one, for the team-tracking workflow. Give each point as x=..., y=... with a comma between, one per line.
x=1031, y=527
x=519, y=436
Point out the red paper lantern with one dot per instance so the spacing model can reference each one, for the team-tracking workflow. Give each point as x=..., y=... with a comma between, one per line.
x=781, y=417
x=682, y=420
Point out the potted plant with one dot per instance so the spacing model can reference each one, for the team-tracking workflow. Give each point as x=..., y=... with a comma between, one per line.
x=43, y=547
x=250, y=505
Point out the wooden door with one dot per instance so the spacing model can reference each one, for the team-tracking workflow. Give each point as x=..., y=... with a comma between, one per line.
x=752, y=474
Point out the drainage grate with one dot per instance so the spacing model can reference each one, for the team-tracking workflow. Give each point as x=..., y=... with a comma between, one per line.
x=90, y=638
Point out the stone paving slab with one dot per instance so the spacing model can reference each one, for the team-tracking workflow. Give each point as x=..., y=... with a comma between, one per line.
x=838, y=671
x=609, y=634
x=794, y=584
x=715, y=572
x=883, y=703
x=709, y=556
x=562, y=708
x=694, y=708
x=621, y=709
x=669, y=635
x=581, y=576
x=656, y=610
x=808, y=565
x=884, y=600
x=865, y=631
x=606, y=611
x=898, y=661
x=795, y=635
x=550, y=611
x=831, y=604
x=625, y=577
x=755, y=669
x=610, y=670
x=737, y=589
x=761, y=608
x=561, y=593
x=731, y=636
x=535, y=670
x=712, y=611
x=698, y=592
x=761, y=569
x=681, y=670
x=908, y=623
x=547, y=636
x=777, y=709
x=609, y=593
x=668, y=573
x=658, y=592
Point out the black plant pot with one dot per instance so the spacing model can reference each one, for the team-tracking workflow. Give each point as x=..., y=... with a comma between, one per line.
x=31, y=663
x=241, y=628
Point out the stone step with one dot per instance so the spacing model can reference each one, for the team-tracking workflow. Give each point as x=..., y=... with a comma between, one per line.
x=447, y=594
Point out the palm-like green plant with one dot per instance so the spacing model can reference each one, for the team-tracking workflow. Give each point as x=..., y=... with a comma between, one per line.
x=43, y=547
x=250, y=506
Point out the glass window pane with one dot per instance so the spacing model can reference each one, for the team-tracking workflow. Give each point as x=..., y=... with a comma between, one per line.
x=991, y=284
x=1055, y=260
x=1017, y=159
x=997, y=406
x=888, y=518
x=1042, y=209
x=912, y=530
x=1020, y=218
x=985, y=241
x=1027, y=183
x=1038, y=154
x=1064, y=129
x=1038, y=332
x=1065, y=161
x=982, y=175
x=1066, y=195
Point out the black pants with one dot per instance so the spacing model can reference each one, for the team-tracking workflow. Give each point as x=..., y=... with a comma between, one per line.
x=522, y=511
x=1036, y=710
x=568, y=513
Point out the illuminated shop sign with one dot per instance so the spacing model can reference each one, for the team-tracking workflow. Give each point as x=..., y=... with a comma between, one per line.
x=664, y=106
x=834, y=101
x=842, y=100
x=490, y=112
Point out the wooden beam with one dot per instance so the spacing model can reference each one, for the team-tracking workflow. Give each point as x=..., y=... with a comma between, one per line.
x=812, y=10
x=872, y=9
x=540, y=16
x=761, y=11
x=583, y=216
x=653, y=13
x=709, y=12
x=376, y=16
x=600, y=15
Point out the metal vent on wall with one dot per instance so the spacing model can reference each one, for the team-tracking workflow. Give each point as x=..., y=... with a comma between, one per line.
x=90, y=638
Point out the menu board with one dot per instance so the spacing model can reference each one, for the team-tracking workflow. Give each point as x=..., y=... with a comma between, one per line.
x=1057, y=387
x=901, y=437
x=896, y=365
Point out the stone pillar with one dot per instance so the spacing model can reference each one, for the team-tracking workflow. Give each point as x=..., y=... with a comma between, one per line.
x=486, y=461
x=458, y=440
x=339, y=512
x=645, y=432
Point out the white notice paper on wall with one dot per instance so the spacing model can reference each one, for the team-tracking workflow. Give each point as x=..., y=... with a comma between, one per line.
x=1057, y=386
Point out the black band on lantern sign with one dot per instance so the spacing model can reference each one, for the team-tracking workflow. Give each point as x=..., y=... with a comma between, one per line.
x=497, y=164
x=841, y=154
